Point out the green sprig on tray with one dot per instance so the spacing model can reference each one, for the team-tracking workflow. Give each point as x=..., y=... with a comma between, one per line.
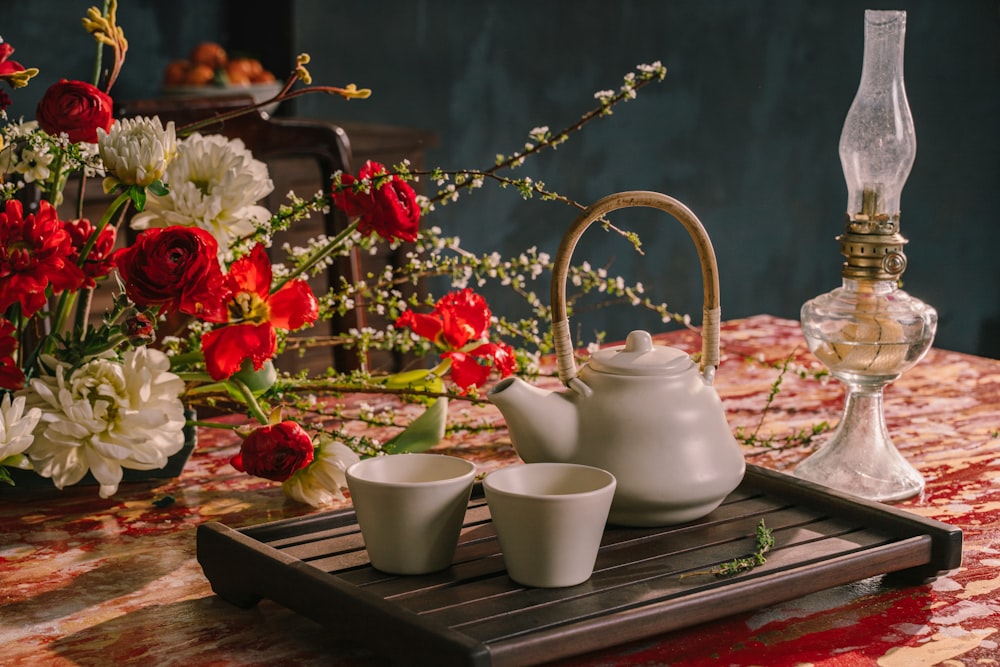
x=765, y=542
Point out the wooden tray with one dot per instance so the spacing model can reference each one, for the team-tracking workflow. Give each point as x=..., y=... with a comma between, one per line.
x=473, y=614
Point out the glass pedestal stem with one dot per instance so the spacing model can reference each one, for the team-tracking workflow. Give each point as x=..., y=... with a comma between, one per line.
x=860, y=457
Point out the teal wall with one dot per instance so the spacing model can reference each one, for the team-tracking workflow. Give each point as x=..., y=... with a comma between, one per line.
x=744, y=129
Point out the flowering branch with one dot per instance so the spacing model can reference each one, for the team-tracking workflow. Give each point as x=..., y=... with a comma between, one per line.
x=300, y=73
x=543, y=138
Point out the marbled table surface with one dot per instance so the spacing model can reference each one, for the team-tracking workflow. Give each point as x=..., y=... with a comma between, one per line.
x=86, y=581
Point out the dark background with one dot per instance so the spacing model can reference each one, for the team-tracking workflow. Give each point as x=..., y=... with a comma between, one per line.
x=744, y=129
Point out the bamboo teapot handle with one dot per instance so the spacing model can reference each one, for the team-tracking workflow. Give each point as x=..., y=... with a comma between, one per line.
x=711, y=312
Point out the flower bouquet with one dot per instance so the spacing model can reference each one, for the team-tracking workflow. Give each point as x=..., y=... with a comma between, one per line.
x=202, y=307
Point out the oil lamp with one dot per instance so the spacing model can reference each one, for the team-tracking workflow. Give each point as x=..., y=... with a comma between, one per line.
x=868, y=331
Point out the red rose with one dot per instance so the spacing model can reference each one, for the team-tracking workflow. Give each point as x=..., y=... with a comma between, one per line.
x=275, y=452
x=76, y=108
x=383, y=203
x=175, y=268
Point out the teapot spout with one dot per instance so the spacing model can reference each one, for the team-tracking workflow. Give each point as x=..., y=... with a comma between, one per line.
x=542, y=424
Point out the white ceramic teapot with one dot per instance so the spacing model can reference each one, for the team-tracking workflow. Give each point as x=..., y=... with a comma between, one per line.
x=643, y=412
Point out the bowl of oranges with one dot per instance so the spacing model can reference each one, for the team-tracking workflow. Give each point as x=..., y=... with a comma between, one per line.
x=209, y=71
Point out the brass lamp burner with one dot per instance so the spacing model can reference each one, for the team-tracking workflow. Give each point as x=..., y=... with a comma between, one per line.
x=872, y=243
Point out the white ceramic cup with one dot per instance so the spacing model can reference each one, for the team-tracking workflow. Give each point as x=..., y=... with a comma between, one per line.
x=410, y=508
x=549, y=519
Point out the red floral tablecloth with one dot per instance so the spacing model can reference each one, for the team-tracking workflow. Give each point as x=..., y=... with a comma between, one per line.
x=86, y=581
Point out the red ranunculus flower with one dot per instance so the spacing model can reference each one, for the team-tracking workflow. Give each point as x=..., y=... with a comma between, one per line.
x=76, y=108
x=457, y=318
x=35, y=254
x=11, y=376
x=383, y=203
x=254, y=314
x=275, y=452
x=98, y=262
x=177, y=269
x=472, y=368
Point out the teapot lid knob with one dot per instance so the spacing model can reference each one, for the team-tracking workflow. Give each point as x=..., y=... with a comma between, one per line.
x=640, y=356
x=639, y=341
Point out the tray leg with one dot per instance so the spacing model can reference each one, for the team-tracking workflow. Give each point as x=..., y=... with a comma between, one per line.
x=242, y=599
x=228, y=582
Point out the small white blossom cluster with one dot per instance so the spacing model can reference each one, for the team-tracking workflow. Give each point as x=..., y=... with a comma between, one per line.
x=434, y=254
x=29, y=152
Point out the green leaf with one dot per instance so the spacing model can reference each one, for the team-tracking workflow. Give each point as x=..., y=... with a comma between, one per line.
x=137, y=194
x=419, y=379
x=258, y=381
x=159, y=188
x=19, y=461
x=5, y=476
x=423, y=432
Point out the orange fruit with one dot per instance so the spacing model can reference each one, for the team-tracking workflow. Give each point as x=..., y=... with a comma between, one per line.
x=242, y=70
x=263, y=77
x=210, y=54
x=176, y=72
x=250, y=66
x=199, y=75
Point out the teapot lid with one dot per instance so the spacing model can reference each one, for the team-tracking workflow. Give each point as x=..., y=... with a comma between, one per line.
x=639, y=356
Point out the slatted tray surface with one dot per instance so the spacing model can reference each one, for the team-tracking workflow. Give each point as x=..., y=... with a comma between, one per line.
x=473, y=614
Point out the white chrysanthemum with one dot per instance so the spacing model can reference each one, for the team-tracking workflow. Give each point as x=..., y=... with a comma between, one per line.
x=320, y=482
x=107, y=415
x=136, y=151
x=215, y=184
x=16, y=430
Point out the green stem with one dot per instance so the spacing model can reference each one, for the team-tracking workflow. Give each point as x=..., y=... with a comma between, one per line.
x=185, y=358
x=58, y=179
x=99, y=56
x=251, y=401
x=121, y=200
x=83, y=311
x=764, y=542
x=67, y=298
x=318, y=255
x=219, y=425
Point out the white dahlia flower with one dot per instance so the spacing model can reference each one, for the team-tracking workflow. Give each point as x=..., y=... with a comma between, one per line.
x=320, y=482
x=16, y=431
x=136, y=151
x=215, y=184
x=107, y=415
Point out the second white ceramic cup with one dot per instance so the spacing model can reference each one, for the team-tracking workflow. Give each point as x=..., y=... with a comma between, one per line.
x=549, y=519
x=410, y=508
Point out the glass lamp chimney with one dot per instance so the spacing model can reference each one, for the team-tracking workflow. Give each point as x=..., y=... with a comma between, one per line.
x=878, y=143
